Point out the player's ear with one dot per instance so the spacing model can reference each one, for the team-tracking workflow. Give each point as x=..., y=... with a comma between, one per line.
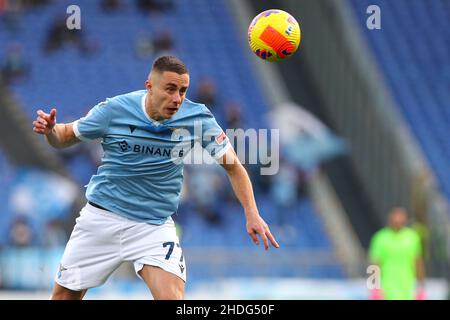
x=148, y=86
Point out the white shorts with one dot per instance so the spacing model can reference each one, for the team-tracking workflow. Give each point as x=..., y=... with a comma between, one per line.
x=102, y=240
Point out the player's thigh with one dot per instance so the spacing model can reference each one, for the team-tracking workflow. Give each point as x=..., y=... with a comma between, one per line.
x=62, y=293
x=163, y=285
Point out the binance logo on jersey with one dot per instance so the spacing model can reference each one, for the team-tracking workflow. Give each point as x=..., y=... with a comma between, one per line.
x=164, y=152
x=124, y=145
x=150, y=150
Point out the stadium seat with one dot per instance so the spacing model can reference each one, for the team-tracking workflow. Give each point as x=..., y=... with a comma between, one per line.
x=412, y=51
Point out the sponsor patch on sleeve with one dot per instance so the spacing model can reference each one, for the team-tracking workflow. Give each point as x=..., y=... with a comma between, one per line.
x=221, y=138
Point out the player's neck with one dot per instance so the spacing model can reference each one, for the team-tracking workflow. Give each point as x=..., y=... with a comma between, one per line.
x=151, y=113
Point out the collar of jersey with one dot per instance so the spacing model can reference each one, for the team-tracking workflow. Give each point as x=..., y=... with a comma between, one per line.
x=153, y=121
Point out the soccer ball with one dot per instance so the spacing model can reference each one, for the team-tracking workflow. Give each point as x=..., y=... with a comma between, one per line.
x=274, y=35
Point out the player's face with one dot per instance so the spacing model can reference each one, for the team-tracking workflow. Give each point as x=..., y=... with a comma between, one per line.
x=398, y=219
x=167, y=92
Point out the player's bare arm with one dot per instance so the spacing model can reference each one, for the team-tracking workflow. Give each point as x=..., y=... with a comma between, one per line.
x=242, y=187
x=57, y=135
x=420, y=271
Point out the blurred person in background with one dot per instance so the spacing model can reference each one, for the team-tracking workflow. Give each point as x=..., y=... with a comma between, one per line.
x=233, y=116
x=58, y=36
x=12, y=12
x=205, y=187
x=163, y=43
x=11, y=15
x=284, y=191
x=55, y=234
x=154, y=6
x=14, y=67
x=3, y=6
x=21, y=234
x=144, y=45
x=110, y=6
x=397, y=251
x=136, y=190
x=206, y=92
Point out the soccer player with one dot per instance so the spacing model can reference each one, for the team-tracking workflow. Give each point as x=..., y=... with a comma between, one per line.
x=397, y=251
x=130, y=200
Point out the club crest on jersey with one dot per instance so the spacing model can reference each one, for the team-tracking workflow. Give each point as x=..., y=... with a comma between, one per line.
x=61, y=269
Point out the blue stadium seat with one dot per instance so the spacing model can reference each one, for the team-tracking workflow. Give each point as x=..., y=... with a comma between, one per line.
x=412, y=51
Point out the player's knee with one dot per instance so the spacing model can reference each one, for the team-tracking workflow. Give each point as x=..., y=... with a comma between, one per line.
x=178, y=294
x=62, y=293
x=174, y=293
x=67, y=296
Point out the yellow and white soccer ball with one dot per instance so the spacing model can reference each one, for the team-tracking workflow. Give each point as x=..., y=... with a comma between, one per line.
x=274, y=35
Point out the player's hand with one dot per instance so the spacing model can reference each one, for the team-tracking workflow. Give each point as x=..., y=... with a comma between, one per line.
x=44, y=122
x=257, y=226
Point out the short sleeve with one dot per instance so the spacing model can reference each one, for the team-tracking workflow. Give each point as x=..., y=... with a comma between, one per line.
x=214, y=139
x=95, y=123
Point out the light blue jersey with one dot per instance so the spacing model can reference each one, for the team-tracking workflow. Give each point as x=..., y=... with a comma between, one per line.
x=141, y=173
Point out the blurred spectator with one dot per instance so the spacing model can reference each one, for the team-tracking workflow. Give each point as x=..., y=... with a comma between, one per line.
x=284, y=191
x=206, y=92
x=205, y=187
x=163, y=43
x=155, y=5
x=306, y=141
x=82, y=161
x=59, y=35
x=262, y=183
x=21, y=234
x=55, y=234
x=233, y=116
x=144, y=45
x=110, y=6
x=12, y=12
x=33, y=3
x=14, y=67
x=3, y=5
x=17, y=6
x=204, y=192
x=397, y=251
x=41, y=195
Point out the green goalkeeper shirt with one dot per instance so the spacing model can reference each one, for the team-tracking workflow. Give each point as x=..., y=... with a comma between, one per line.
x=396, y=253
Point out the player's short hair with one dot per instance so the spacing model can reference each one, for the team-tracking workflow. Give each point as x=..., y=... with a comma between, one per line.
x=169, y=63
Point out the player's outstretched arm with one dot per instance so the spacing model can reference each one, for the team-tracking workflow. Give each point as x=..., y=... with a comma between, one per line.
x=57, y=135
x=242, y=187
